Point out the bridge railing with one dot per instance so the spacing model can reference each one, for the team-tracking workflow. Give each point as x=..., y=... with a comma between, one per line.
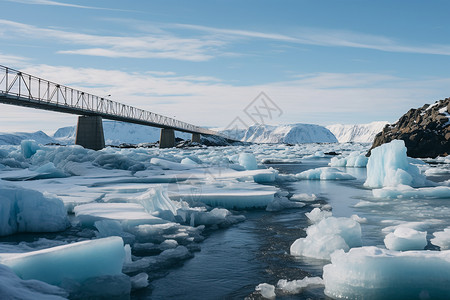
x=27, y=87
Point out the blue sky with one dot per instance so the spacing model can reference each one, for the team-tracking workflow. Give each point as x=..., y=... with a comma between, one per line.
x=321, y=62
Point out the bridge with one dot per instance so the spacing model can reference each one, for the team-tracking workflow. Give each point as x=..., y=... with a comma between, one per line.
x=20, y=89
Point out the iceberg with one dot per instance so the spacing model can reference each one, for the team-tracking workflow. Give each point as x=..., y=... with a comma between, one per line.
x=388, y=166
x=375, y=273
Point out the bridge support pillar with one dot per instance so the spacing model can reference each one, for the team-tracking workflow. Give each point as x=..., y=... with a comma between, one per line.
x=90, y=132
x=167, y=138
x=196, y=137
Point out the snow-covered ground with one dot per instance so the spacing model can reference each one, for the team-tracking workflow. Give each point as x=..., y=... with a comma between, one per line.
x=126, y=213
x=358, y=133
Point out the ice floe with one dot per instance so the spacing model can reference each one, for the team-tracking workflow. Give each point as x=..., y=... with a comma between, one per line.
x=405, y=238
x=374, y=273
x=324, y=174
x=76, y=261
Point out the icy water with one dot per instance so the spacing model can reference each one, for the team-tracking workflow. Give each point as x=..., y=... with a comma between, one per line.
x=233, y=261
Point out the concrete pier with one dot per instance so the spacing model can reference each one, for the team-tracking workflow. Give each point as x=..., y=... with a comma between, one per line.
x=167, y=138
x=196, y=137
x=90, y=132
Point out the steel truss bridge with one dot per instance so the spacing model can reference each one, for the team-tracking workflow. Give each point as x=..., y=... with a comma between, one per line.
x=21, y=89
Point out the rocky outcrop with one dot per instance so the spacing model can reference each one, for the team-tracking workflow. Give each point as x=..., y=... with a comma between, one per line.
x=425, y=130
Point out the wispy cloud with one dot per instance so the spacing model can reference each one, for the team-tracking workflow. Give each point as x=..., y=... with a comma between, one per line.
x=6, y=59
x=63, y=4
x=141, y=46
x=328, y=38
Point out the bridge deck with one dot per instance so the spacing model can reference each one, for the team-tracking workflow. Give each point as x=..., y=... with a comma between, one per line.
x=20, y=89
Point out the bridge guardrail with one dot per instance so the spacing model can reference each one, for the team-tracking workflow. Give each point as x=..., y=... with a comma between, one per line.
x=25, y=87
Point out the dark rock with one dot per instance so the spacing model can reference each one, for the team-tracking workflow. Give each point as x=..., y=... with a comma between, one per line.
x=425, y=130
x=332, y=153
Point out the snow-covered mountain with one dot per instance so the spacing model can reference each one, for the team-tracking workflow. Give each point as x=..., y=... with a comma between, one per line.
x=289, y=134
x=359, y=133
x=15, y=138
x=119, y=132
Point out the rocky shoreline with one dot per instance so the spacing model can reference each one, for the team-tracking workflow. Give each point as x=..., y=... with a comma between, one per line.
x=425, y=130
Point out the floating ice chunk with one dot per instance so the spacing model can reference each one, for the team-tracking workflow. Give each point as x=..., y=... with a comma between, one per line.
x=354, y=160
x=248, y=161
x=317, y=215
x=170, y=165
x=374, y=273
x=139, y=281
x=188, y=161
x=280, y=203
x=12, y=287
x=327, y=236
x=217, y=216
x=324, y=173
x=404, y=239
x=23, y=210
x=442, y=239
x=118, y=161
x=29, y=148
x=241, y=196
x=265, y=177
x=405, y=191
x=77, y=261
x=128, y=214
x=296, y=286
x=49, y=171
x=266, y=290
x=317, y=154
x=303, y=197
x=156, y=200
x=359, y=219
x=388, y=166
x=108, y=228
